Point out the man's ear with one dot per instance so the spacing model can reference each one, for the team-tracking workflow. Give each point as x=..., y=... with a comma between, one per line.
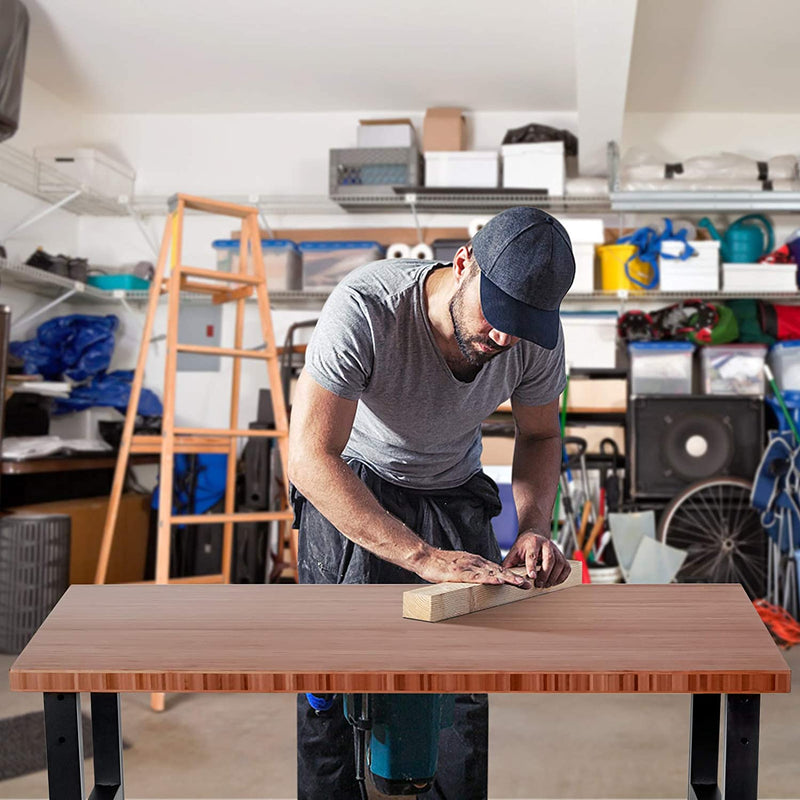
x=461, y=262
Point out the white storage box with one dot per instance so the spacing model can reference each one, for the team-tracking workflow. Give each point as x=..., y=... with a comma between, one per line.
x=698, y=273
x=283, y=264
x=733, y=368
x=590, y=338
x=464, y=169
x=84, y=424
x=538, y=165
x=784, y=358
x=759, y=277
x=661, y=367
x=83, y=166
x=326, y=263
x=386, y=133
x=584, y=268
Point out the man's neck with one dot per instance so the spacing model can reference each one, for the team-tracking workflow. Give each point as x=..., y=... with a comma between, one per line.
x=438, y=291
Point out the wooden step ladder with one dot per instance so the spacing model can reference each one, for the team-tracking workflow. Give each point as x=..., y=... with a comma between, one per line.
x=223, y=287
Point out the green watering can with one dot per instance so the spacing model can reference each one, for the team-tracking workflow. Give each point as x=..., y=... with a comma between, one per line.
x=743, y=243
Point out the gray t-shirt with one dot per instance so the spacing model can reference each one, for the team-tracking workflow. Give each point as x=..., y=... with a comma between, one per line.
x=416, y=424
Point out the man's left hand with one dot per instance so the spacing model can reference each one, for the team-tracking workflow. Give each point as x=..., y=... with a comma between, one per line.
x=544, y=562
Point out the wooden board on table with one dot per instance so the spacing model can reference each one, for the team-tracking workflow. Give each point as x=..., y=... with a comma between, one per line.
x=441, y=601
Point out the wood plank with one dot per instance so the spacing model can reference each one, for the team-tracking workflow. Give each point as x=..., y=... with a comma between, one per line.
x=215, y=206
x=684, y=638
x=441, y=601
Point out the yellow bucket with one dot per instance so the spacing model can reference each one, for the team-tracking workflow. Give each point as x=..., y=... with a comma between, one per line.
x=613, y=258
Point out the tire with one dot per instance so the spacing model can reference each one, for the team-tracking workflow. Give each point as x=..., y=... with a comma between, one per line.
x=714, y=521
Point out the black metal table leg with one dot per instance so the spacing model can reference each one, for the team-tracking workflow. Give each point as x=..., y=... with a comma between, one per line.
x=742, y=714
x=107, y=743
x=64, y=740
x=704, y=747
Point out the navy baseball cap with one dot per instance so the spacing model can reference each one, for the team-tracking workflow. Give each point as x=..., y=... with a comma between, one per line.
x=527, y=266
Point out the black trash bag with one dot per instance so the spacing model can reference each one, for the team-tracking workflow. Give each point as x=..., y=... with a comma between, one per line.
x=533, y=133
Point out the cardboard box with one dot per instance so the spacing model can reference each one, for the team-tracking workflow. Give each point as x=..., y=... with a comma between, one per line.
x=601, y=394
x=385, y=133
x=498, y=451
x=443, y=129
x=88, y=516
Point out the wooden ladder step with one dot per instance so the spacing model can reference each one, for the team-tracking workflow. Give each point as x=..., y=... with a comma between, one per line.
x=216, y=275
x=188, y=444
x=217, y=433
x=241, y=516
x=226, y=351
x=211, y=206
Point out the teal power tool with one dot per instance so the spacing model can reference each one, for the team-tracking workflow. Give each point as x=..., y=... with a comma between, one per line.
x=403, y=734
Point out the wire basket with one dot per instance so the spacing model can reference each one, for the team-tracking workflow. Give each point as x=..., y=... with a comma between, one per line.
x=34, y=573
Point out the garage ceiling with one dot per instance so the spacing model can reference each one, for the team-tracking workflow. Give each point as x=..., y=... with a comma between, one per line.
x=715, y=56
x=129, y=56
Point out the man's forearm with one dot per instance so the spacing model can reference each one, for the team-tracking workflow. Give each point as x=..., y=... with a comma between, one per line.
x=535, y=473
x=338, y=494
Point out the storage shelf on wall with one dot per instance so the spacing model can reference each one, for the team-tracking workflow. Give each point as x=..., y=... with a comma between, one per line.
x=744, y=202
x=466, y=201
x=46, y=284
x=21, y=171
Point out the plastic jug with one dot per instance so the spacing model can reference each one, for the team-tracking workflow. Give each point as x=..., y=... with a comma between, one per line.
x=742, y=243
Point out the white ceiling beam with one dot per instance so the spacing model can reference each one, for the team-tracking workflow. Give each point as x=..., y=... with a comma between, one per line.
x=603, y=44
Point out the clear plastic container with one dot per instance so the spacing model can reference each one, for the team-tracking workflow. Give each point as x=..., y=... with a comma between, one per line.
x=661, y=367
x=282, y=262
x=326, y=263
x=785, y=360
x=733, y=368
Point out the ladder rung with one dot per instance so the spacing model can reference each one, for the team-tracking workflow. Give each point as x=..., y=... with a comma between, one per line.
x=212, y=206
x=189, y=444
x=242, y=516
x=232, y=434
x=216, y=275
x=225, y=351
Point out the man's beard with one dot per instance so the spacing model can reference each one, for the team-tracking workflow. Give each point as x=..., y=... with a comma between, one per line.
x=466, y=344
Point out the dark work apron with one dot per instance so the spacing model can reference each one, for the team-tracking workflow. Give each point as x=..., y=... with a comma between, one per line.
x=450, y=519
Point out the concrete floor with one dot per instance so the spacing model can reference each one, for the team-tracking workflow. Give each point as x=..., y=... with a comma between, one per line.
x=541, y=746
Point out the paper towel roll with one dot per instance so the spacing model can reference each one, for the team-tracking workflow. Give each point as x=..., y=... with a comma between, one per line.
x=475, y=225
x=422, y=252
x=398, y=250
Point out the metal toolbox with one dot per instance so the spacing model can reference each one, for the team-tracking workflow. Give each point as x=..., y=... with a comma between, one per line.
x=373, y=170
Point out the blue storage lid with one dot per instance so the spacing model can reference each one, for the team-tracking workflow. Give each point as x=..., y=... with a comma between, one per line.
x=786, y=344
x=233, y=244
x=675, y=346
x=349, y=245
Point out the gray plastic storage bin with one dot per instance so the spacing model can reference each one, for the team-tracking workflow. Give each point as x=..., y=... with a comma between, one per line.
x=34, y=573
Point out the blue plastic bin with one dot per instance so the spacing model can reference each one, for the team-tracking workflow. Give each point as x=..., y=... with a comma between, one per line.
x=283, y=264
x=661, y=367
x=326, y=263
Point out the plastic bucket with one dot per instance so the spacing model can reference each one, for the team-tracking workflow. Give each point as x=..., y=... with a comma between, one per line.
x=613, y=258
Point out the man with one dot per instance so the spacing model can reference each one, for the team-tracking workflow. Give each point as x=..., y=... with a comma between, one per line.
x=406, y=361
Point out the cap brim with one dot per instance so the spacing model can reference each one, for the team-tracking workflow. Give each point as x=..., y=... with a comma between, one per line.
x=509, y=315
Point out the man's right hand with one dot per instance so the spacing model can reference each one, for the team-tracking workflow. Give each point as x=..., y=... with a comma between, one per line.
x=458, y=566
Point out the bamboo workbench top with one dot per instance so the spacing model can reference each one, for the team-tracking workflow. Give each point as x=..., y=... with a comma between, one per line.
x=284, y=638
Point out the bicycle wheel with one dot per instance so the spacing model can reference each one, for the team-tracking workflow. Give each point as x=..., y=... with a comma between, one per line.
x=714, y=522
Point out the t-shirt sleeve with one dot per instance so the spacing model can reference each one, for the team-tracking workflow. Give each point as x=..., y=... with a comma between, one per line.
x=340, y=354
x=544, y=376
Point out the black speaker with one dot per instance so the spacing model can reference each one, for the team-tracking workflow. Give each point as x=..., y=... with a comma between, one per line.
x=675, y=441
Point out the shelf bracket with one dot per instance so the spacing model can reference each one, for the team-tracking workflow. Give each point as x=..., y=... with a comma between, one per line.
x=262, y=218
x=137, y=218
x=411, y=199
x=26, y=318
x=40, y=215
